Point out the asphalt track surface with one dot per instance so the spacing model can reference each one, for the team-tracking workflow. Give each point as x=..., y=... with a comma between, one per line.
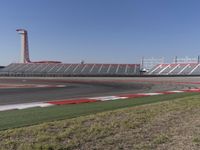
x=26, y=90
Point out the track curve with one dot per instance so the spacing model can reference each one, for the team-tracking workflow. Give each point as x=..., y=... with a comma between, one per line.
x=26, y=90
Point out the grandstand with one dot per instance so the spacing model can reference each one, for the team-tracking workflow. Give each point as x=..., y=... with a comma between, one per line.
x=176, y=69
x=56, y=68
x=62, y=70
x=152, y=66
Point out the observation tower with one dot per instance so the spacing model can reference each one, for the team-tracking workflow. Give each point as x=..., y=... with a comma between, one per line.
x=25, y=49
x=24, y=46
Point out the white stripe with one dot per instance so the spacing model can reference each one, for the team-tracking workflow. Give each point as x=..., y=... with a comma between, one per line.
x=107, y=98
x=194, y=69
x=184, y=68
x=164, y=69
x=173, y=69
x=50, y=86
x=24, y=106
x=155, y=69
x=45, y=105
x=150, y=94
x=176, y=91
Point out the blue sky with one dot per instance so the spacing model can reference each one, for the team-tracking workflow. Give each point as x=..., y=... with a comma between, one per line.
x=100, y=31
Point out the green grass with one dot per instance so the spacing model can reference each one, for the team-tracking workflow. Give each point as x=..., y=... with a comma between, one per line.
x=171, y=123
x=27, y=117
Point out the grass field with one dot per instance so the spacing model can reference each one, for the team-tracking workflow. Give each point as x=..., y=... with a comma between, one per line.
x=26, y=117
x=174, y=123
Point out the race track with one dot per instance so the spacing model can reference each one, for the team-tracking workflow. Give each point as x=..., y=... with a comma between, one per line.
x=26, y=90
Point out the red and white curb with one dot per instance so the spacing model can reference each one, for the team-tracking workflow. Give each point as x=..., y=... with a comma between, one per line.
x=89, y=100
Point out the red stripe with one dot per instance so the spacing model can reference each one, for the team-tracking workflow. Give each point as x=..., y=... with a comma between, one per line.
x=64, y=102
x=192, y=90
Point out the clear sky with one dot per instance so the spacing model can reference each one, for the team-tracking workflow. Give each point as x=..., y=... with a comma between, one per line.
x=100, y=31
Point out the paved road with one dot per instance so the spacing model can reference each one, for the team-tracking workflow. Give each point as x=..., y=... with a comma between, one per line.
x=26, y=90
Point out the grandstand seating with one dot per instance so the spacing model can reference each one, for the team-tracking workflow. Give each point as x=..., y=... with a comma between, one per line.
x=176, y=69
x=50, y=69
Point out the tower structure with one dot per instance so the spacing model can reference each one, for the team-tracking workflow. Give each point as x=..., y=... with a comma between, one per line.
x=24, y=46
